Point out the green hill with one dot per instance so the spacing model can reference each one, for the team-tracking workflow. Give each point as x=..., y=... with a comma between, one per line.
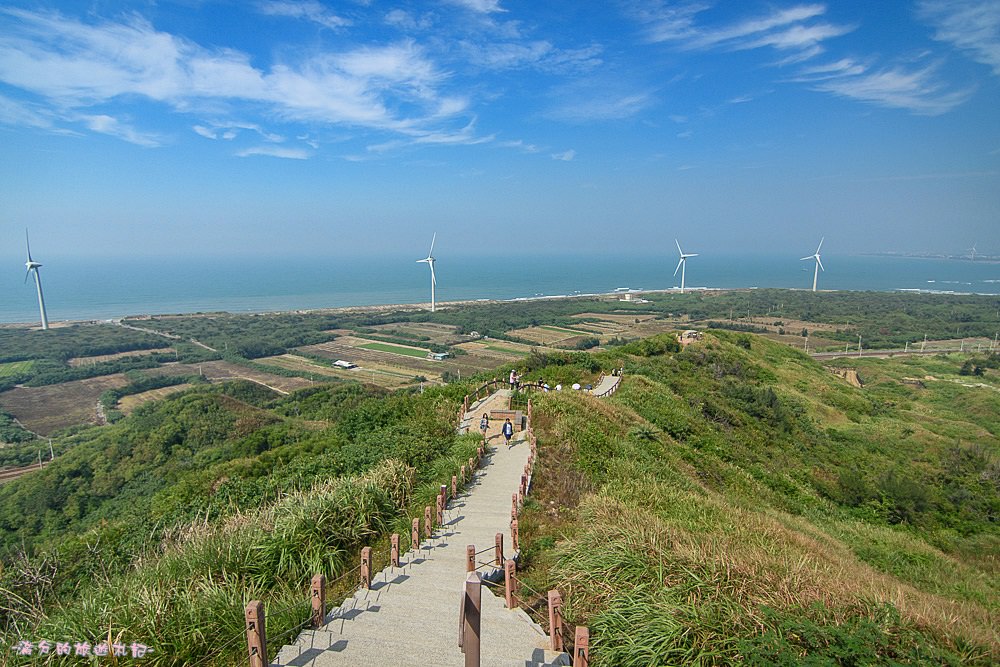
x=737, y=502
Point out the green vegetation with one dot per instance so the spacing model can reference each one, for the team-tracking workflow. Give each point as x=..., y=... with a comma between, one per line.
x=200, y=501
x=395, y=349
x=734, y=502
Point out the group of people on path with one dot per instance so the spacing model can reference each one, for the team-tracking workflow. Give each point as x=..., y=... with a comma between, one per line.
x=507, y=429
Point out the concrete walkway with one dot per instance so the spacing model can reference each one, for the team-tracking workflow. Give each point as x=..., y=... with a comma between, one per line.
x=606, y=384
x=410, y=615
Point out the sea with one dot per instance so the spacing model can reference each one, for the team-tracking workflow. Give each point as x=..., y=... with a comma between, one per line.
x=99, y=289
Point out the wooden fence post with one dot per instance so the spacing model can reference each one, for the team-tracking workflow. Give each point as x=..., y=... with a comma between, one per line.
x=463, y=475
x=471, y=610
x=318, y=595
x=415, y=534
x=513, y=506
x=555, y=620
x=440, y=509
x=515, y=542
x=366, y=567
x=444, y=493
x=394, y=549
x=454, y=486
x=427, y=521
x=470, y=558
x=256, y=634
x=581, y=646
x=510, y=583
x=498, y=549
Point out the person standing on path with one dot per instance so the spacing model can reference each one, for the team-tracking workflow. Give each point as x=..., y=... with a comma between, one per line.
x=508, y=432
x=513, y=380
x=484, y=424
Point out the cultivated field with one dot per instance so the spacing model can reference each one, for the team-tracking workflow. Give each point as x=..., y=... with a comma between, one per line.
x=423, y=332
x=129, y=403
x=15, y=367
x=550, y=335
x=86, y=361
x=218, y=371
x=295, y=363
x=44, y=410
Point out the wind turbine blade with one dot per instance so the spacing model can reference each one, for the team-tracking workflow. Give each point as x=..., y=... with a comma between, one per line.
x=820, y=244
x=678, y=266
x=802, y=259
x=691, y=254
x=820, y=262
x=430, y=252
x=26, y=274
x=27, y=244
x=681, y=252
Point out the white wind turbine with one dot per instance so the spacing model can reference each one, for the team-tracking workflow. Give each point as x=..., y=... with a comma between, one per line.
x=819, y=263
x=973, y=251
x=429, y=261
x=34, y=266
x=682, y=264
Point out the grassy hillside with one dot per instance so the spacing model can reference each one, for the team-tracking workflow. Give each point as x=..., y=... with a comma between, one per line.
x=161, y=527
x=737, y=502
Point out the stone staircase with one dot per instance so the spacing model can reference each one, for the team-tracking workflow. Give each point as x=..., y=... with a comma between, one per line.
x=410, y=615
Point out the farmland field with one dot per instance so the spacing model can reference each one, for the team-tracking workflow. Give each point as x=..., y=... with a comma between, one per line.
x=299, y=364
x=129, y=403
x=15, y=367
x=423, y=332
x=396, y=349
x=44, y=410
x=86, y=361
x=217, y=371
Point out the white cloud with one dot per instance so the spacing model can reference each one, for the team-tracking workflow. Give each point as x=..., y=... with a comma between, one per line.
x=303, y=9
x=205, y=132
x=519, y=144
x=972, y=26
x=788, y=29
x=275, y=151
x=584, y=106
x=109, y=125
x=481, y=6
x=406, y=21
x=75, y=65
x=565, y=156
x=919, y=91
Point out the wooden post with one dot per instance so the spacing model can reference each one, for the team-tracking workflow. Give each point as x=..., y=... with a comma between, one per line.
x=472, y=466
x=318, y=595
x=470, y=558
x=513, y=506
x=524, y=485
x=454, y=486
x=515, y=542
x=463, y=475
x=498, y=549
x=428, y=525
x=440, y=509
x=444, y=494
x=394, y=549
x=555, y=620
x=581, y=646
x=510, y=583
x=256, y=634
x=471, y=610
x=415, y=534
x=366, y=567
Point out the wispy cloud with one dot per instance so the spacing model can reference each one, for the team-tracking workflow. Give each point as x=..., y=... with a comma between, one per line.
x=565, y=156
x=275, y=151
x=481, y=6
x=918, y=90
x=796, y=29
x=310, y=10
x=76, y=65
x=972, y=26
x=109, y=125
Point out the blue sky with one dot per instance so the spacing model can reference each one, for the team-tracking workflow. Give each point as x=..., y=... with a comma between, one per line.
x=300, y=127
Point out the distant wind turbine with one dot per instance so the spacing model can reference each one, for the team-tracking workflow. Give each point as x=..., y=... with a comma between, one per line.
x=429, y=261
x=34, y=266
x=819, y=263
x=973, y=251
x=682, y=264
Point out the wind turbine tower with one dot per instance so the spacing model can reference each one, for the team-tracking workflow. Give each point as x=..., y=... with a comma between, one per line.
x=682, y=264
x=972, y=250
x=819, y=263
x=34, y=266
x=429, y=261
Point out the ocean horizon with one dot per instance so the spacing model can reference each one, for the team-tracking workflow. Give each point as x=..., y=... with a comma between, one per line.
x=97, y=289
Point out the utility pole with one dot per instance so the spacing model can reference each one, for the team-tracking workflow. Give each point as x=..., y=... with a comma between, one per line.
x=906, y=347
x=924, y=344
x=52, y=454
x=859, y=345
x=39, y=459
